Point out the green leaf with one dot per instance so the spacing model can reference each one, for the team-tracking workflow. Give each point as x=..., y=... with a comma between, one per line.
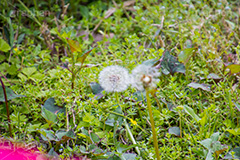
x=37, y=76
x=209, y=155
x=88, y=117
x=10, y=94
x=7, y=34
x=110, y=122
x=186, y=54
x=84, y=11
x=22, y=77
x=12, y=70
x=114, y=157
x=188, y=43
x=85, y=132
x=81, y=58
x=236, y=154
x=53, y=154
x=65, y=135
x=49, y=116
x=94, y=137
x=235, y=131
x=203, y=120
x=83, y=150
x=213, y=76
x=29, y=71
x=121, y=148
x=113, y=117
x=92, y=147
x=129, y=156
x=2, y=58
x=191, y=112
x=150, y=62
x=97, y=90
x=4, y=46
x=74, y=46
x=50, y=106
x=213, y=145
x=215, y=136
x=218, y=148
x=98, y=151
x=174, y=130
x=170, y=105
x=139, y=96
x=20, y=38
x=234, y=68
x=231, y=24
x=47, y=135
x=206, y=143
x=171, y=65
x=11, y=36
x=201, y=86
x=237, y=106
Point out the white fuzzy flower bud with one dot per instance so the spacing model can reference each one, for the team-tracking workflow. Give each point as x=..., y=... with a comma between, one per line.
x=145, y=76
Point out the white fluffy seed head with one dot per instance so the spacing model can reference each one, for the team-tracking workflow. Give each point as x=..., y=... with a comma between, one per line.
x=145, y=76
x=114, y=79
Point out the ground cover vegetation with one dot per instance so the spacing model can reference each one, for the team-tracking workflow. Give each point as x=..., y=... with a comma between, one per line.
x=138, y=79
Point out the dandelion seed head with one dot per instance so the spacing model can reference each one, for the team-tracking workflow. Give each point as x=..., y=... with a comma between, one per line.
x=145, y=76
x=114, y=78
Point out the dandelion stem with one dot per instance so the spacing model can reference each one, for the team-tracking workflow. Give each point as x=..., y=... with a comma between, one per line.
x=117, y=98
x=127, y=127
x=155, y=141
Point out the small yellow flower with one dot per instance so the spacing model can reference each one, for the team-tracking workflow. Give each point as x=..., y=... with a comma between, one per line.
x=133, y=122
x=16, y=51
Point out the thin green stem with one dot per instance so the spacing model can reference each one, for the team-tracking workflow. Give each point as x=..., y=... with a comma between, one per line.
x=35, y=19
x=127, y=127
x=158, y=103
x=131, y=136
x=180, y=123
x=155, y=141
x=230, y=105
x=190, y=131
x=117, y=98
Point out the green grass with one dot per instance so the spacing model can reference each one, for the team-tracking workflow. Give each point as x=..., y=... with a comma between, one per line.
x=196, y=41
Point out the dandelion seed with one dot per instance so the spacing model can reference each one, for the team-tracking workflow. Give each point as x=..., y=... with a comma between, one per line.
x=114, y=78
x=145, y=76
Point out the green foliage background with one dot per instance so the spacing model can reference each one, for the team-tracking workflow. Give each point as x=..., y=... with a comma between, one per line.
x=197, y=43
